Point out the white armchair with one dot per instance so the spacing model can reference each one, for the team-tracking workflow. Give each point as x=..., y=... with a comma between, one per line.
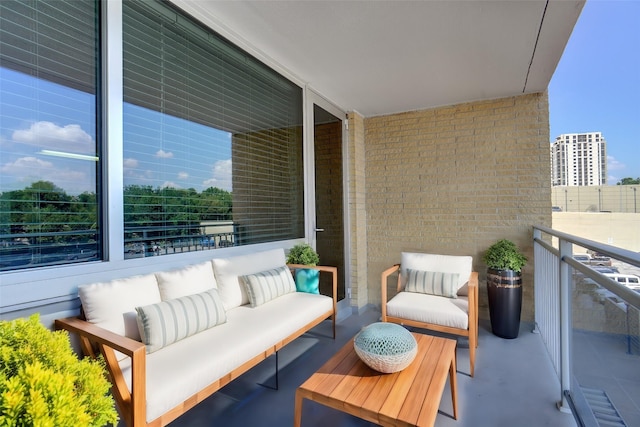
x=435, y=292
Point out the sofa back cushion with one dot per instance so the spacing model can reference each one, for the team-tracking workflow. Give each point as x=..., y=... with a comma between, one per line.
x=267, y=285
x=170, y=321
x=462, y=265
x=228, y=272
x=189, y=280
x=112, y=305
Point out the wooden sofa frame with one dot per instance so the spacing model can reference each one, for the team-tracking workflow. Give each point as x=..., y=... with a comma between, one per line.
x=471, y=332
x=95, y=340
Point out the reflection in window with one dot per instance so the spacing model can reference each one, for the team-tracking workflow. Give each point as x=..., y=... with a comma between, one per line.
x=48, y=136
x=212, y=139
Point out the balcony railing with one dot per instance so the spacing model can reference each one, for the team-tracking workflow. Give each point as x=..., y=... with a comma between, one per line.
x=590, y=324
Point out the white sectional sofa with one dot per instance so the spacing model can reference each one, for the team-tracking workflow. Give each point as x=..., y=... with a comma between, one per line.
x=173, y=338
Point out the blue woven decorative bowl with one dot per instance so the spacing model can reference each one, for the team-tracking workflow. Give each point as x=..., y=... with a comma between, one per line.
x=385, y=347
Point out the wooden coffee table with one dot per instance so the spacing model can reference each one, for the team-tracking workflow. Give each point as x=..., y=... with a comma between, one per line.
x=410, y=397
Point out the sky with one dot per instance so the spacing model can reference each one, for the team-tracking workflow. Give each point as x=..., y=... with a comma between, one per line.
x=596, y=86
x=43, y=123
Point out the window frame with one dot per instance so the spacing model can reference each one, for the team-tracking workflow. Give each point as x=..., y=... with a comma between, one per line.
x=52, y=290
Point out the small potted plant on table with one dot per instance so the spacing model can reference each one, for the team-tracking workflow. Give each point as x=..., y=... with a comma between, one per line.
x=307, y=280
x=504, y=287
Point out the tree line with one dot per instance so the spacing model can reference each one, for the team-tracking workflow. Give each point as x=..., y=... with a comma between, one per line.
x=43, y=208
x=629, y=181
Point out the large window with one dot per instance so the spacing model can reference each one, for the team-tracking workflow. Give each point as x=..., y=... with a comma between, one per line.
x=49, y=185
x=212, y=139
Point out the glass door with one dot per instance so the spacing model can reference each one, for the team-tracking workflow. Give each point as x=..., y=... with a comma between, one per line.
x=329, y=230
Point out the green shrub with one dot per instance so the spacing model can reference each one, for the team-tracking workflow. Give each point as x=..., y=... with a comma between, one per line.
x=504, y=255
x=44, y=384
x=303, y=254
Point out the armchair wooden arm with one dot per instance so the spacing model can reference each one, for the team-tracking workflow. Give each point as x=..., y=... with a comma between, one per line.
x=384, y=278
x=473, y=312
x=107, y=342
x=334, y=293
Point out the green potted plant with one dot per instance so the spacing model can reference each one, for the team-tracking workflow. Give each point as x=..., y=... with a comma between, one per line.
x=504, y=287
x=43, y=383
x=307, y=280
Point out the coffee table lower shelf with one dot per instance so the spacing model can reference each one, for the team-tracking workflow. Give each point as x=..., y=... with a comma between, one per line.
x=410, y=397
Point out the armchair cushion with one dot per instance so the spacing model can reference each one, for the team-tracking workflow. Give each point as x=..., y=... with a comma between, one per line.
x=267, y=285
x=170, y=321
x=432, y=309
x=432, y=262
x=432, y=283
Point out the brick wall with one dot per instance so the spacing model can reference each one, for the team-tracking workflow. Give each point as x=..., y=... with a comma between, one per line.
x=453, y=180
x=357, y=212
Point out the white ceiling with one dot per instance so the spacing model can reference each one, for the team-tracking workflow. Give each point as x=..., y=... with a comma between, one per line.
x=381, y=57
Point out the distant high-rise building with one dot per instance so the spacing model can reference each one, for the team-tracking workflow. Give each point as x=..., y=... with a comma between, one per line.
x=579, y=159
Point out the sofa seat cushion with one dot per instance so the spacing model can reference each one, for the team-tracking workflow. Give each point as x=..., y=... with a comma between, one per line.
x=182, y=369
x=430, y=309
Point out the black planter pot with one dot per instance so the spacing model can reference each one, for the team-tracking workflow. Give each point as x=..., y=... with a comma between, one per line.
x=504, y=288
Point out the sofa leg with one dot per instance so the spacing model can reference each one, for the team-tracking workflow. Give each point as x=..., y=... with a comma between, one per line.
x=276, y=387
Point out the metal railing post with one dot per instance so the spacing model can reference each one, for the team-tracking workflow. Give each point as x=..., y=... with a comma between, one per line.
x=566, y=250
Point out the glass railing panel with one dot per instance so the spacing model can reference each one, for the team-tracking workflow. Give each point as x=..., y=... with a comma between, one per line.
x=605, y=355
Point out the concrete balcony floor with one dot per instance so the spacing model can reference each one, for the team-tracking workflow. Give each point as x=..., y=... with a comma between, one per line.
x=514, y=385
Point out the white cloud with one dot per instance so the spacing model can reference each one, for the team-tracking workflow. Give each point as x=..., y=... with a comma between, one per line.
x=221, y=175
x=130, y=163
x=614, y=165
x=183, y=175
x=26, y=166
x=48, y=135
x=30, y=169
x=161, y=154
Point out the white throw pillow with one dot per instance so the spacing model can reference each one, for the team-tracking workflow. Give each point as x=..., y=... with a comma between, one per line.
x=170, y=321
x=112, y=305
x=267, y=285
x=189, y=280
x=228, y=270
x=432, y=283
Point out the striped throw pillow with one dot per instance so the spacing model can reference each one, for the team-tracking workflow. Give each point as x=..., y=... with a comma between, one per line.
x=172, y=320
x=432, y=283
x=267, y=285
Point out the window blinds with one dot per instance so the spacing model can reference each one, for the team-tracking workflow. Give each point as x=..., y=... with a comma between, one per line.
x=48, y=189
x=204, y=115
x=51, y=40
